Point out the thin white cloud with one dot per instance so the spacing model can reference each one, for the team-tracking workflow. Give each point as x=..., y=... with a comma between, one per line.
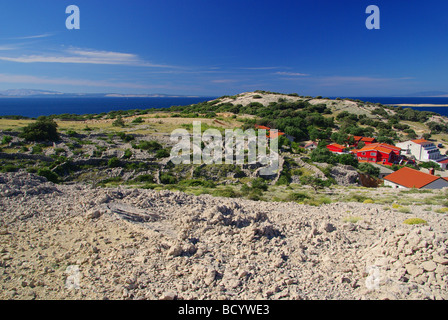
x=83, y=56
x=7, y=47
x=259, y=68
x=291, y=74
x=224, y=81
x=30, y=79
x=358, y=80
x=45, y=35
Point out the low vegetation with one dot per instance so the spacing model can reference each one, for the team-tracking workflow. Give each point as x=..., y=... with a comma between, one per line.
x=123, y=148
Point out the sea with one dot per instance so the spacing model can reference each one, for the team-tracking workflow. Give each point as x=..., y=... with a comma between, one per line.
x=45, y=106
x=411, y=101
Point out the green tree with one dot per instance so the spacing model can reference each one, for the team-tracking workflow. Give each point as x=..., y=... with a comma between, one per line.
x=44, y=129
x=348, y=159
x=119, y=122
x=322, y=155
x=369, y=169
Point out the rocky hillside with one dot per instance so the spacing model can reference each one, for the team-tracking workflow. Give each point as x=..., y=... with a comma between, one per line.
x=78, y=242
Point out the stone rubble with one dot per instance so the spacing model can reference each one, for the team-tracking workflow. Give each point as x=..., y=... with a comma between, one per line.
x=78, y=242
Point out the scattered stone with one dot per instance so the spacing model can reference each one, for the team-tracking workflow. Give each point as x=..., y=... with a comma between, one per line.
x=147, y=244
x=429, y=266
x=169, y=295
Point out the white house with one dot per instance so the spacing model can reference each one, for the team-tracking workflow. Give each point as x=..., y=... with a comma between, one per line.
x=421, y=149
x=411, y=178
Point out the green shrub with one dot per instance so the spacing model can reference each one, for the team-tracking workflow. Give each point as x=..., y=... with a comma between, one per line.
x=413, y=221
x=71, y=133
x=297, y=196
x=285, y=179
x=6, y=139
x=111, y=180
x=138, y=120
x=162, y=153
x=167, y=178
x=37, y=149
x=119, y=122
x=144, y=178
x=260, y=183
x=227, y=192
x=198, y=182
x=369, y=169
x=149, y=145
x=352, y=219
x=113, y=162
x=442, y=210
x=44, y=129
x=9, y=168
x=127, y=154
x=47, y=173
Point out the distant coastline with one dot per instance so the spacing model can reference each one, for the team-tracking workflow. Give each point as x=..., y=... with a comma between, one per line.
x=51, y=105
x=419, y=105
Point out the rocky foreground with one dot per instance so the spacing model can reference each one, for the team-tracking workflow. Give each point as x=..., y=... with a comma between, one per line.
x=76, y=242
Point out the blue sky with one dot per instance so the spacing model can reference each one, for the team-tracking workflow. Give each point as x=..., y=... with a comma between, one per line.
x=217, y=47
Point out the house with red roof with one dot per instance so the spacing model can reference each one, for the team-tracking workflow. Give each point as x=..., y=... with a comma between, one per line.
x=443, y=163
x=262, y=127
x=270, y=134
x=366, y=140
x=381, y=153
x=311, y=145
x=411, y=178
x=336, y=148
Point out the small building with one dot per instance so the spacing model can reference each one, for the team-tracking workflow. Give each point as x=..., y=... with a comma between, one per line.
x=366, y=140
x=380, y=153
x=336, y=148
x=262, y=127
x=411, y=178
x=272, y=135
x=443, y=163
x=311, y=145
x=421, y=149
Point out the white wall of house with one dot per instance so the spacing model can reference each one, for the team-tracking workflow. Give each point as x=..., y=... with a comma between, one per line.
x=388, y=183
x=426, y=152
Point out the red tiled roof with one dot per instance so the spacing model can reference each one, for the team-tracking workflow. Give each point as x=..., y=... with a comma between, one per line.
x=383, y=147
x=336, y=145
x=365, y=139
x=420, y=141
x=312, y=143
x=443, y=161
x=411, y=178
x=262, y=127
x=274, y=135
